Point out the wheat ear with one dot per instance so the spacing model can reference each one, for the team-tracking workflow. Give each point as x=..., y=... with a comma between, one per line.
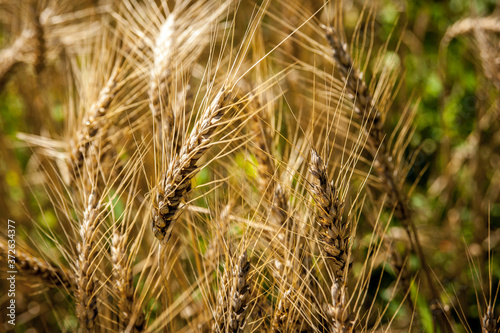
x=159, y=84
x=334, y=233
x=240, y=293
x=124, y=285
x=366, y=109
x=39, y=268
x=234, y=299
x=489, y=322
x=92, y=126
x=12, y=57
x=334, y=237
x=86, y=296
x=174, y=183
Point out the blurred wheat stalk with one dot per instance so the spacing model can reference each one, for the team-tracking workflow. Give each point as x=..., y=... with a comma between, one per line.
x=229, y=166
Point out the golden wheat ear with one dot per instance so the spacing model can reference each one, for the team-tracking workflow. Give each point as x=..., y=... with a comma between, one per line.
x=124, y=283
x=30, y=265
x=182, y=169
x=48, y=29
x=28, y=48
x=233, y=296
x=10, y=57
x=86, y=296
x=334, y=238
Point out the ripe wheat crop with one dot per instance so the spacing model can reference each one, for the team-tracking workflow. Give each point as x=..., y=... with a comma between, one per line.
x=248, y=166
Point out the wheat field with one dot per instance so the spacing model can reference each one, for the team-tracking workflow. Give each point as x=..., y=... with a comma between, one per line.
x=249, y=166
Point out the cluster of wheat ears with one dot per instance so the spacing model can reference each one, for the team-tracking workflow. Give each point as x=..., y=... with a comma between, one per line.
x=225, y=166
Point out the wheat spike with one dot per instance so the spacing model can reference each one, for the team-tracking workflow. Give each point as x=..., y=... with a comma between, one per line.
x=240, y=294
x=233, y=297
x=91, y=128
x=39, y=268
x=86, y=295
x=365, y=106
x=159, y=84
x=489, y=322
x=334, y=237
x=334, y=233
x=367, y=111
x=124, y=285
x=172, y=187
x=382, y=160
